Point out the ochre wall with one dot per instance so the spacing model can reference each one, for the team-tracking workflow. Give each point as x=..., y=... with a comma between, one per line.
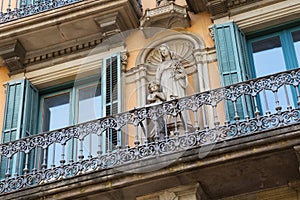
x=3, y=78
x=137, y=41
x=199, y=26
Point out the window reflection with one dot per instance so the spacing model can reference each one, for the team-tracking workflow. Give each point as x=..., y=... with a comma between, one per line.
x=89, y=104
x=296, y=40
x=268, y=56
x=89, y=108
x=56, y=112
x=268, y=59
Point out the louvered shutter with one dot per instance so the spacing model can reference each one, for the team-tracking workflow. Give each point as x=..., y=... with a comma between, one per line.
x=233, y=62
x=111, y=87
x=20, y=116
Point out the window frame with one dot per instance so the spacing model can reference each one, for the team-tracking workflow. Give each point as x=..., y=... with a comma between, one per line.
x=289, y=52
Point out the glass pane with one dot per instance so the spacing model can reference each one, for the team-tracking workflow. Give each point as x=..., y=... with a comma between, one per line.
x=56, y=112
x=89, y=104
x=268, y=56
x=89, y=108
x=268, y=59
x=296, y=40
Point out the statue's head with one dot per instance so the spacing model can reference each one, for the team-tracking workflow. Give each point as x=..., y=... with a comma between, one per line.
x=164, y=51
x=153, y=87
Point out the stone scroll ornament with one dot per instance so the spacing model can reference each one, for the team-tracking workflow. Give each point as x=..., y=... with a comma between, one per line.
x=163, y=2
x=170, y=74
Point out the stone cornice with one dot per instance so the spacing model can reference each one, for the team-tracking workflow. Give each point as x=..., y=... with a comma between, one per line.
x=62, y=52
x=59, y=15
x=220, y=8
x=66, y=30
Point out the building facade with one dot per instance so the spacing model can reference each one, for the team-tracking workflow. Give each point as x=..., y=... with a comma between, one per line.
x=159, y=100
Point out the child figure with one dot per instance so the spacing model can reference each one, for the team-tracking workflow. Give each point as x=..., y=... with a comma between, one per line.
x=155, y=95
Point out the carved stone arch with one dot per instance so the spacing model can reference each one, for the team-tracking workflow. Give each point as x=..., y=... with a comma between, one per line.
x=182, y=45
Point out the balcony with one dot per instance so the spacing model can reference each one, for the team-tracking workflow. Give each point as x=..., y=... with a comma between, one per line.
x=172, y=130
x=72, y=28
x=16, y=9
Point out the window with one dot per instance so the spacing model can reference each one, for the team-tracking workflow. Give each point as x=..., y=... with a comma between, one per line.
x=65, y=106
x=87, y=100
x=275, y=53
x=240, y=59
x=72, y=106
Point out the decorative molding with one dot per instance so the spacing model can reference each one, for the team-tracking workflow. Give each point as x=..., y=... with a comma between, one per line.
x=211, y=32
x=62, y=52
x=271, y=15
x=124, y=60
x=166, y=16
x=77, y=66
x=219, y=8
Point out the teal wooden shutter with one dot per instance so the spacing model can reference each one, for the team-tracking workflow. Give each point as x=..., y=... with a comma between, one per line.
x=20, y=116
x=30, y=114
x=233, y=61
x=111, y=87
x=15, y=92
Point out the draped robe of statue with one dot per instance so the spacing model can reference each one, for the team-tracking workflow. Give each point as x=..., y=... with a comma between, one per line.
x=171, y=76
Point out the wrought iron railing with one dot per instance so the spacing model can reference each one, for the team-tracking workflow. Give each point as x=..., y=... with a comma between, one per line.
x=152, y=131
x=15, y=9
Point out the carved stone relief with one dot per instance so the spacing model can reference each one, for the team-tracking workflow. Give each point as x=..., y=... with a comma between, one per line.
x=163, y=2
x=186, y=49
x=181, y=50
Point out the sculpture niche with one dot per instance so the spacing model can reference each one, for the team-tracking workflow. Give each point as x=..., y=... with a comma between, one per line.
x=170, y=83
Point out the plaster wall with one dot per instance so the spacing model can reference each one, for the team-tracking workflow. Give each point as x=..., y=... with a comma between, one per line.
x=3, y=78
x=58, y=73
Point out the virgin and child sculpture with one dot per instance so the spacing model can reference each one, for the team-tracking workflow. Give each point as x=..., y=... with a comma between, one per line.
x=170, y=75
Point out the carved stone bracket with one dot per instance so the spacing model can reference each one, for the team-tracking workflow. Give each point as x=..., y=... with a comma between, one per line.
x=166, y=16
x=297, y=148
x=124, y=60
x=211, y=32
x=111, y=24
x=191, y=192
x=13, y=55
